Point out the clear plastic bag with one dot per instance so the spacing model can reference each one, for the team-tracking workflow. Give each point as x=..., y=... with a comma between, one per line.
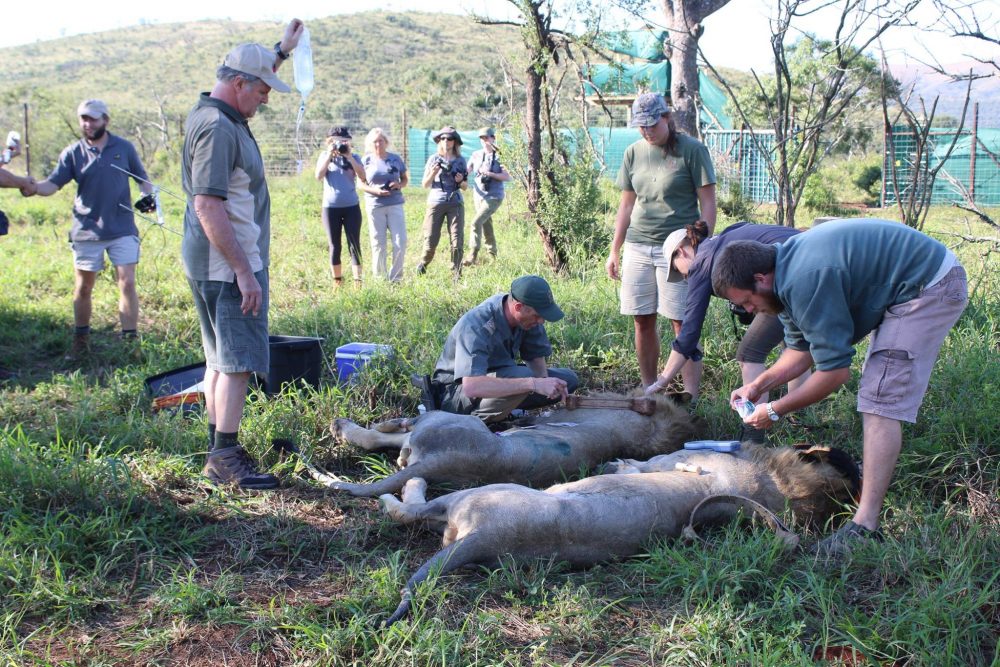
x=302, y=65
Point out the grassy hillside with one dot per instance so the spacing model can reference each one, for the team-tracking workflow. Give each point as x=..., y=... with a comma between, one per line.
x=369, y=67
x=113, y=551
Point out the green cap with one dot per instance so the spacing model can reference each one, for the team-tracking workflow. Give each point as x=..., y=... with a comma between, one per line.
x=535, y=292
x=487, y=132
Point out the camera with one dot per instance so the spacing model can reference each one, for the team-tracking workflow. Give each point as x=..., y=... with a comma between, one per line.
x=484, y=180
x=740, y=314
x=443, y=164
x=449, y=167
x=342, y=147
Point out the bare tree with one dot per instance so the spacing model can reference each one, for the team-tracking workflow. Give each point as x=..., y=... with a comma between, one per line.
x=806, y=113
x=973, y=19
x=921, y=161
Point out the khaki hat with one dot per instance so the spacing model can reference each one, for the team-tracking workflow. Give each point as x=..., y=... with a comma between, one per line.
x=92, y=108
x=670, y=245
x=447, y=132
x=487, y=132
x=647, y=109
x=535, y=292
x=258, y=61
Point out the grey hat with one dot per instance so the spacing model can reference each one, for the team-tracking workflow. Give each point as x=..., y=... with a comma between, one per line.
x=535, y=292
x=487, y=132
x=258, y=61
x=92, y=108
x=447, y=132
x=647, y=109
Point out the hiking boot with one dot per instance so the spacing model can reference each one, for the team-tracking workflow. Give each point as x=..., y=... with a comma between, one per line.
x=750, y=434
x=838, y=546
x=468, y=262
x=80, y=347
x=421, y=269
x=232, y=465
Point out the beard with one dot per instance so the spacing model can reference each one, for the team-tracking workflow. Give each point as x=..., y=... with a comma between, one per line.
x=773, y=306
x=96, y=135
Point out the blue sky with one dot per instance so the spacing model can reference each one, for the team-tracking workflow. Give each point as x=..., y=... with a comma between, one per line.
x=741, y=22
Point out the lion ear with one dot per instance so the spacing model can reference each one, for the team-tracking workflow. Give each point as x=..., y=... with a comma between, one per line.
x=812, y=453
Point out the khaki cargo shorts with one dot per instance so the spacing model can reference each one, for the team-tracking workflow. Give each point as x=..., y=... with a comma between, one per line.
x=649, y=285
x=904, y=347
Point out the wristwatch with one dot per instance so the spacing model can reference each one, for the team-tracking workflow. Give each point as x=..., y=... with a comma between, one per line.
x=278, y=52
x=771, y=413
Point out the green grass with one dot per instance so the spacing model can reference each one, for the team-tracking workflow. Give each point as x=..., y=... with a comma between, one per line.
x=114, y=551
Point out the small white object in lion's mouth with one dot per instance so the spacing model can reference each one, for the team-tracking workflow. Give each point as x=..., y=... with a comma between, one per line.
x=687, y=467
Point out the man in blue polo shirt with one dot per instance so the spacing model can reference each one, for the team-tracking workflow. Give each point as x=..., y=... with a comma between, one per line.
x=103, y=221
x=831, y=287
x=478, y=373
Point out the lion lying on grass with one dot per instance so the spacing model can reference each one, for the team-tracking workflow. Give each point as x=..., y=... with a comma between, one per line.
x=441, y=447
x=612, y=516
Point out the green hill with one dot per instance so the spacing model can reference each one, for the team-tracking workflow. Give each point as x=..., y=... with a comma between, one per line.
x=370, y=69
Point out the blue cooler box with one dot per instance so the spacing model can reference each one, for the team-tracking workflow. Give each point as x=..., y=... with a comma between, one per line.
x=353, y=357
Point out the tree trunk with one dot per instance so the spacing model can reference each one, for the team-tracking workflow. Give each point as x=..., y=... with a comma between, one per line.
x=533, y=121
x=684, y=79
x=684, y=19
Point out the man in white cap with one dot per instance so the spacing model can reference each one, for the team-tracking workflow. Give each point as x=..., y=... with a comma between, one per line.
x=227, y=235
x=103, y=221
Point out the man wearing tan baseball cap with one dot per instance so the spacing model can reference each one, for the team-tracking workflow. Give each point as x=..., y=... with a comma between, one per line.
x=101, y=164
x=227, y=236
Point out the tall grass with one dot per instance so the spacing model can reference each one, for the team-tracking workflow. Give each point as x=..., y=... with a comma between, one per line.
x=114, y=551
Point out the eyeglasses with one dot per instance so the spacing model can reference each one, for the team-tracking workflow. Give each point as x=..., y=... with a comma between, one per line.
x=449, y=138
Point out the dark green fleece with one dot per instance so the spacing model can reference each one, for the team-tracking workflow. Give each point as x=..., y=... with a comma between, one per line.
x=837, y=281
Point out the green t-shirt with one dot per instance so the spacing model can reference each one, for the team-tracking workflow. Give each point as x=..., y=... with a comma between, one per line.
x=665, y=187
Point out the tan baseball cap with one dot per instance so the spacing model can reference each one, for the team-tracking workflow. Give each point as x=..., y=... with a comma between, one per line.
x=92, y=108
x=258, y=61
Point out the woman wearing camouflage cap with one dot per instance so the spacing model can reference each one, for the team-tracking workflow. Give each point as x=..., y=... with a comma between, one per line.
x=667, y=182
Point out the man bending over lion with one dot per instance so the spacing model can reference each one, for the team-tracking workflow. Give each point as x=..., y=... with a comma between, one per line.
x=831, y=288
x=477, y=373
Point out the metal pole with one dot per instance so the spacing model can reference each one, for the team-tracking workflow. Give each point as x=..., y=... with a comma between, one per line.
x=973, y=149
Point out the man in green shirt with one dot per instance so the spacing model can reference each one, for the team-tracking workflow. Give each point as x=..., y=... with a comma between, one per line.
x=832, y=287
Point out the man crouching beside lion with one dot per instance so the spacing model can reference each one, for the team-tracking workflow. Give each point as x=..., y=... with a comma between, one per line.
x=477, y=372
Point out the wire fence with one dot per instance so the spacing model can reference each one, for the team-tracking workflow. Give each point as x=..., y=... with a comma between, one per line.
x=969, y=166
x=970, y=171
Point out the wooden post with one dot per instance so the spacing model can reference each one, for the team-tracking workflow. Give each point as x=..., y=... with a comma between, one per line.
x=404, y=143
x=27, y=144
x=973, y=149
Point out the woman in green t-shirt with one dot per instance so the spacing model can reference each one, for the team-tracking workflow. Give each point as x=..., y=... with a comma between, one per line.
x=667, y=182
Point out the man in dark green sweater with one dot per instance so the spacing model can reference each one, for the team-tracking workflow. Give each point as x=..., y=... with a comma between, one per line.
x=831, y=288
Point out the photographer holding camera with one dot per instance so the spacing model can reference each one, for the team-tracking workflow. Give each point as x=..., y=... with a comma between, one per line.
x=339, y=168
x=445, y=175
x=487, y=193
x=385, y=178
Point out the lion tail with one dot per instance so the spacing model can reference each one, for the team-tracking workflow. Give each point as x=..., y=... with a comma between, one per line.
x=457, y=554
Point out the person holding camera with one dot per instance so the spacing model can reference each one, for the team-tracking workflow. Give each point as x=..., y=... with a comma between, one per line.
x=101, y=163
x=692, y=254
x=487, y=193
x=339, y=169
x=385, y=178
x=445, y=175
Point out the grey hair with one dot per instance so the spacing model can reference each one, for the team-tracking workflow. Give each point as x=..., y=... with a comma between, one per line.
x=228, y=74
x=738, y=262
